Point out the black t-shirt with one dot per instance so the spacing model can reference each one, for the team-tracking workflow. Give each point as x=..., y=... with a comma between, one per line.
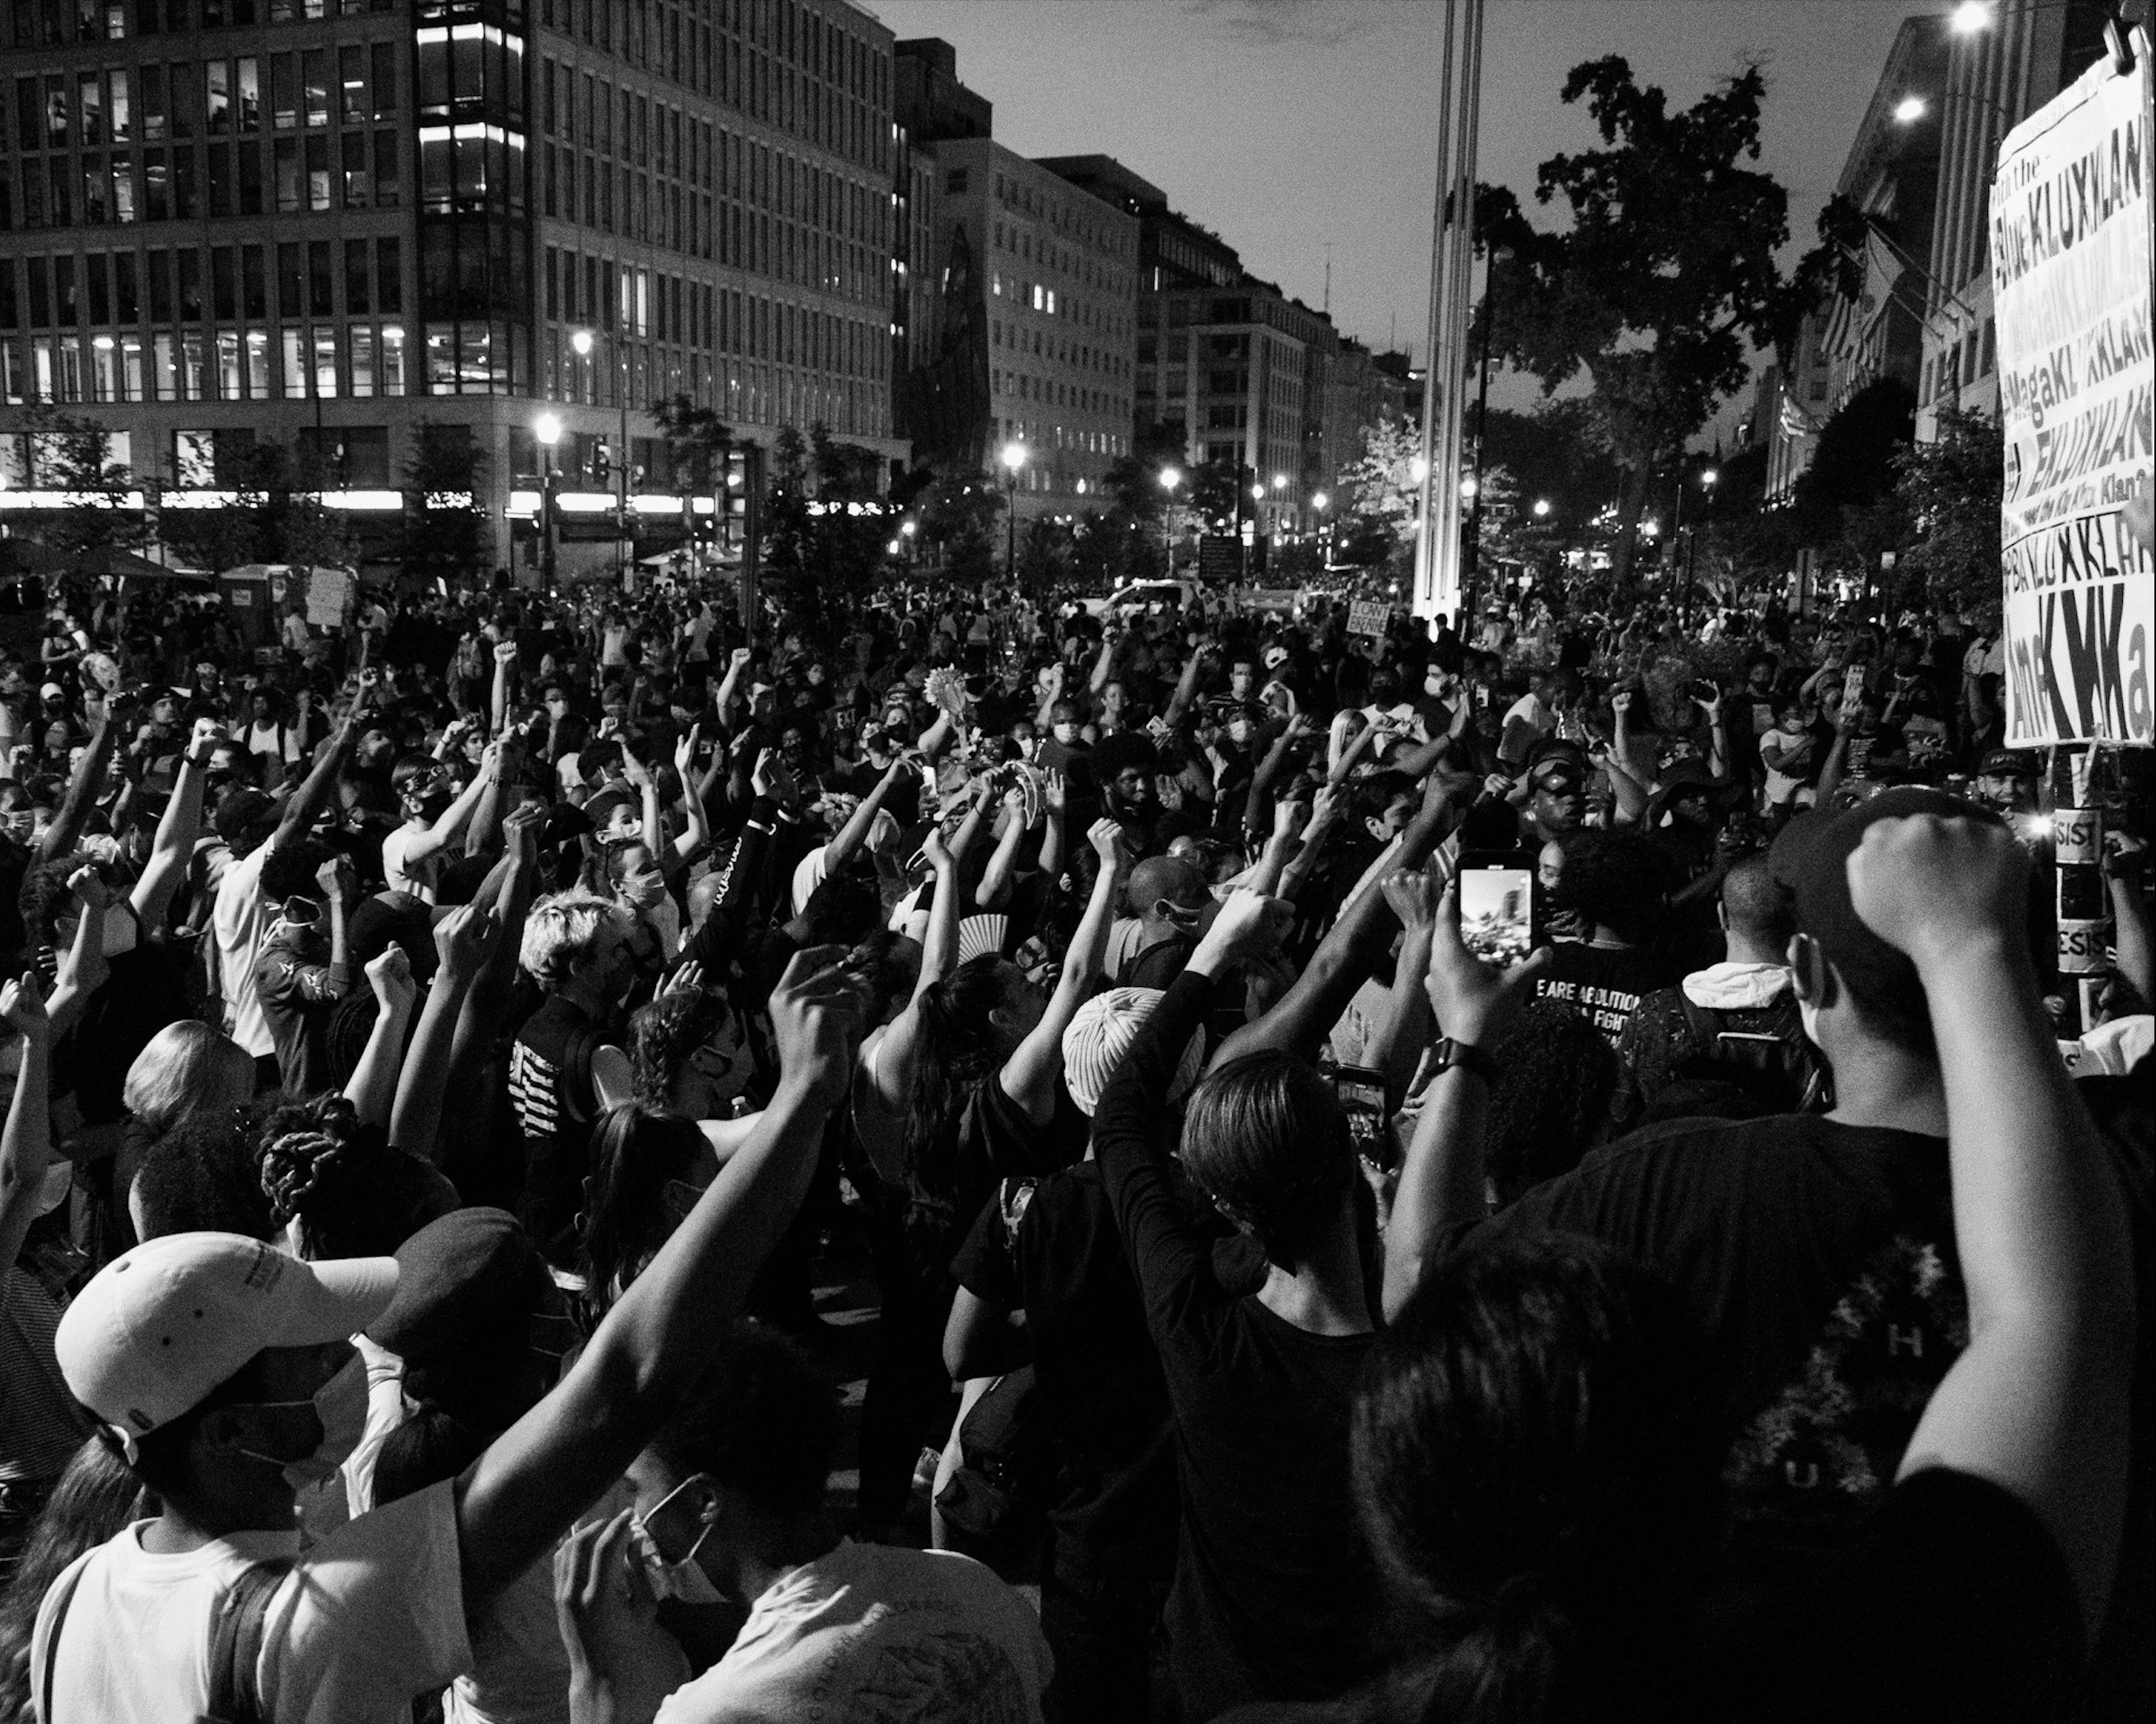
x=1269, y=1598
x=147, y=990
x=1951, y=1606
x=549, y=1085
x=1604, y=984
x=1820, y=1259
x=1063, y=1266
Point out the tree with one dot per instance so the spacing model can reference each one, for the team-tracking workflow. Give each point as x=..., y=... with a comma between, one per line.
x=1218, y=492
x=1133, y=480
x=445, y=462
x=849, y=535
x=1381, y=483
x=960, y=514
x=697, y=442
x=74, y=455
x=786, y=507
x=1950, y=490
x=274, y=516
x=1666, y=278
x=1045, y=556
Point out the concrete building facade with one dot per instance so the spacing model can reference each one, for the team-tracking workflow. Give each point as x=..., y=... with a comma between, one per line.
x=226, y=220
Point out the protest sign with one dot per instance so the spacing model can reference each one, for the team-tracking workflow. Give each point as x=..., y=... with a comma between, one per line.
x=2070, y=262
x=328, y=591
x=1366, y=616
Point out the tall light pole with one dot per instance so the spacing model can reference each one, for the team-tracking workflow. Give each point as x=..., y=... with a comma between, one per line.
x=1707, y=480
x=583, y=341
x=1319, y=503
x=1170, y=477
x=548, y=429
x=1013, y=460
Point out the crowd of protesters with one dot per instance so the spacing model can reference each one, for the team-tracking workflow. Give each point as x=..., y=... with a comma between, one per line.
x=438, y=1048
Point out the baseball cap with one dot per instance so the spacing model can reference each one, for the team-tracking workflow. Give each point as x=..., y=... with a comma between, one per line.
x=52, y=691
x=160, y=1327
x=1811, y=858
x=461, y=1276
x=1100, y=1033
x=2005, y=763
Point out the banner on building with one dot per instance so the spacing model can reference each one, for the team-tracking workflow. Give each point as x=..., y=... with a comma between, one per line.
x=2069, y=263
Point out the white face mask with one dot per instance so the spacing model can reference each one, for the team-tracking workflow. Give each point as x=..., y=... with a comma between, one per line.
x=1066, y=732
x=684, y=1579
x=341, y=1405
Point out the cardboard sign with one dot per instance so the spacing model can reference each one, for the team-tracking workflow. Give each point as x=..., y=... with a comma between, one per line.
x=328, y=592
x=1366, y=616
x=2077, y=836
x=2082, y=948
x=2069, y=263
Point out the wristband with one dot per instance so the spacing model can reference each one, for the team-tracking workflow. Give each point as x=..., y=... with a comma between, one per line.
x=1450, y=1055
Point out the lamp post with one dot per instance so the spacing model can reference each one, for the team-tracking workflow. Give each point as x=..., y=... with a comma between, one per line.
x=1706, y=479
x=1170, y=477
x=1319, y=503
x=548, y=429
x=1013, y=460
x=582, y=341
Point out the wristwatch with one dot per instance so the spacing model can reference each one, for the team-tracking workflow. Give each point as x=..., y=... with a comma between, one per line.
x=1464, y=1056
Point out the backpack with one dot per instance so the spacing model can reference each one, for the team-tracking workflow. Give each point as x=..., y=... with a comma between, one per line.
x=235, y=1643
x=997, y=1498
x=1760, y=1050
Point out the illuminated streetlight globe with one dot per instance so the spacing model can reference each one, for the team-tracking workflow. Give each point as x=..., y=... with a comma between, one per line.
x=1417, y=470
x=1170, y=477
x=582, y=341
x=548, y=429
x=1468, y=487
x=909, y=527
x=1542, y=506
x=1910, y=110
x=1013, y=455
x=1321, y=502
x=1709, y=477
x=1259, y=492
x=1970, y=16
x=1279, y=481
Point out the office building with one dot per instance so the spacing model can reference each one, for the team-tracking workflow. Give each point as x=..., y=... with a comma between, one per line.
x=326, y=224
x=1052, y=274
x=1994, y=78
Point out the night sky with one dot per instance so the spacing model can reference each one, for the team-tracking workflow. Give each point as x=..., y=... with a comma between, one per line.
x=1287, y=126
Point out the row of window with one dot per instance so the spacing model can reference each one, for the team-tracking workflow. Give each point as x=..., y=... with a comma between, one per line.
x=324, y=361
x=1045, y=299
x=1083, y=223
x=220, y=283
x=355, y=83
x=52, y=23
x=1049, y=346
x=1056, y=393
x=1091, y=271
x=1045, y=476
x=597, y=293
x=288, y=175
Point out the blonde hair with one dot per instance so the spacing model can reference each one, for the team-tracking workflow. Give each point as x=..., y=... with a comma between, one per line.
x=565, y=931
x=187, y=1071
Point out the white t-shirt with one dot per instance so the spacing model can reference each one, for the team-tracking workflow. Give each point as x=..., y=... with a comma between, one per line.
x=877, y=1634
x=274, y=742
x=417, y=878
x=370, y=1617
x=241, y=918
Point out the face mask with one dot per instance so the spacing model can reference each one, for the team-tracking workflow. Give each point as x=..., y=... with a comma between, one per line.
x=1066, y=732
x=341, y=1405
x=685, y=1580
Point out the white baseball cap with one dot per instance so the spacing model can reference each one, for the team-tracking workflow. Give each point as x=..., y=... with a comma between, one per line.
x=160, y=1328
x=1100, y=1033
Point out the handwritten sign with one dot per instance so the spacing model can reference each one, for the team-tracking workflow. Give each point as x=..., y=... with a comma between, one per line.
x=2070, y=262
x=328, y=591
x=1366, y=616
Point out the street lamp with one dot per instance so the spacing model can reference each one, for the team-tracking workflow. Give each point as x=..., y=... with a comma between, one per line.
x=583, y=341
x=548, y=429
x=1541, y=508
x=1970, y=16
x=1170, y=477
x=1910, y=110
x=1014, y=460
x=1706, y=480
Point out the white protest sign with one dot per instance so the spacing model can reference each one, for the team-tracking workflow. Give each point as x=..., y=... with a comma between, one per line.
x=1366, y=616
x=2070, y=262
x=328, y=590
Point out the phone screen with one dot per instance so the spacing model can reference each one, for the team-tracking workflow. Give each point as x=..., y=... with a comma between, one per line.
x=1361, y=1092
x=1497, y=913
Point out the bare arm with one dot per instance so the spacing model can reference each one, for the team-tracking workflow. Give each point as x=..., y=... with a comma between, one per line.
x=2038, y=1402
x=306, y=803
x=1002, y=863
x=373, y=1085
x=26, y=1143
x=463, y=939
x=1029, y=1076
x=648, y=1352
x=83, y=783
x=893, y=1064
x=177, y=832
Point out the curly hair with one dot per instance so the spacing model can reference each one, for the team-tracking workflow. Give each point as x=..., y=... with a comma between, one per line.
x=351, y=1194
x=1556, y=1075
x=664, y=1034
